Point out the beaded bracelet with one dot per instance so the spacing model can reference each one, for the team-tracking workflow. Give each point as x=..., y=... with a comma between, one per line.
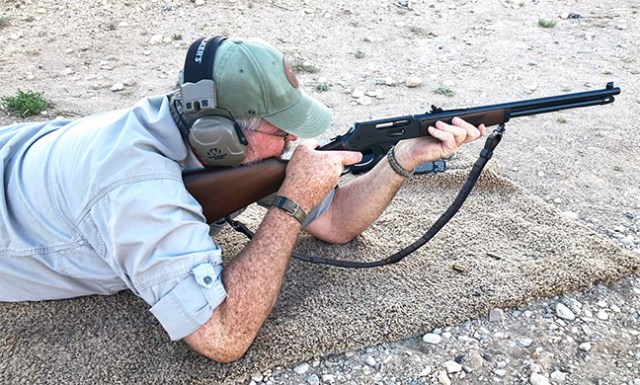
x=396, y=166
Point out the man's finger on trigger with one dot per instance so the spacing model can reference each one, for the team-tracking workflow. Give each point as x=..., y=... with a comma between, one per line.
x=350, y=157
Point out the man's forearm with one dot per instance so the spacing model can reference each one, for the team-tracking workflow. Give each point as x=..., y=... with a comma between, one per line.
x=252, y=280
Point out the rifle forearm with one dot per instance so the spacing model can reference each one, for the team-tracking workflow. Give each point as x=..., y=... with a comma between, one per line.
x=224, y=190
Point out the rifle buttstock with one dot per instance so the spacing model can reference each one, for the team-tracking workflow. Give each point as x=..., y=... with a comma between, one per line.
x=224, y=190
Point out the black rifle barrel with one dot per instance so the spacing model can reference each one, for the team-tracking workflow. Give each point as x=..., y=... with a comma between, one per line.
x=378, y=135
x=561, y=102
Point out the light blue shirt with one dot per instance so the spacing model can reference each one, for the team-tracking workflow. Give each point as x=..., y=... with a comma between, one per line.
x=97, y=205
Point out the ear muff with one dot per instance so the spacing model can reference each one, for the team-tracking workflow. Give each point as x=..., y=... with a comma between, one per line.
x=216, y=141
x=215, y=136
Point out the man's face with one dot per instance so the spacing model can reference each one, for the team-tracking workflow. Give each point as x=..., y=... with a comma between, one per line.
x=267, y=141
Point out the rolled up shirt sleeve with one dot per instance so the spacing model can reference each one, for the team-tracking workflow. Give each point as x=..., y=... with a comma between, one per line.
x=154, y=237
x=191, y=302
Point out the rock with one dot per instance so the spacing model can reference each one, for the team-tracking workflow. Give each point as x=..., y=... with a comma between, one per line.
x=602, y=315
x=629, y=240
x=358, y=93
x=558, y=376
x=156, y=39
x=525, y=342
x=257, y=377
x=302, y=368
x=117, y=87
x=571, y=215
x=622, y=25
x=452, y=367
x=538, y=379
x=585, y=346
x=371, y=94
x=569, y=15
x=413, y=82
x=496, y=315
x=472, y=361
x=431, y=338
x=539, y=150
x=330, y=378
x=544, y=358
x=313, y=379
x=364, y=101
x=370, y=361
x=443, y=378
x=425, y=371
x=564, y=312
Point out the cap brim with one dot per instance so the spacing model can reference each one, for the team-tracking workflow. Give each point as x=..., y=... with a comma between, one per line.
x=307, y=118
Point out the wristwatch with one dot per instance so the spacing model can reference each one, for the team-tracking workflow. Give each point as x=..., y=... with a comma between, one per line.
x=290, y=207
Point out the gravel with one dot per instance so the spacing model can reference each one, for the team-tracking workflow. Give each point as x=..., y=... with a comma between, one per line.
x=556, y=341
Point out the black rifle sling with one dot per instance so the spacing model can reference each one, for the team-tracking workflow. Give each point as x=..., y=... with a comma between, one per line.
x=490, y=144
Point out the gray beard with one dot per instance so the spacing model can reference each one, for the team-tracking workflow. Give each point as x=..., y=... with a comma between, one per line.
x=285, y=154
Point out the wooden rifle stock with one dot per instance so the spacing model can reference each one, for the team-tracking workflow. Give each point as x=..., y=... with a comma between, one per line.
x=224, y=190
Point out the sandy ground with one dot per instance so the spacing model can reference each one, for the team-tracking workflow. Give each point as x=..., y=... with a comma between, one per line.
x=94, y=56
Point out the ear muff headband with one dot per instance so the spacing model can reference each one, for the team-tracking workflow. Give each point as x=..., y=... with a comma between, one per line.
x=198, y=64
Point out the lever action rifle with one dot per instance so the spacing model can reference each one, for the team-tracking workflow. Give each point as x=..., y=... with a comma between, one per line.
x=224, y=190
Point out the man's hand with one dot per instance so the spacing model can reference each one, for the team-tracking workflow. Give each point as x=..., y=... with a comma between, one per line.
x=312, y=174
x=444, y=140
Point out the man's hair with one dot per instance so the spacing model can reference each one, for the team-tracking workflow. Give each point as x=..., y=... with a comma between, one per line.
x=251, y=124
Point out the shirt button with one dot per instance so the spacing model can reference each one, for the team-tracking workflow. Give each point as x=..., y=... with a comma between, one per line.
x=207, y=280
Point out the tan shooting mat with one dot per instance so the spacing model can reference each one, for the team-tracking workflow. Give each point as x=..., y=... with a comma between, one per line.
x=504, y=248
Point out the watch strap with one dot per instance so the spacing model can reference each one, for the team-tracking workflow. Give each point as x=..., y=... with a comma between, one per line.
x=290, y=207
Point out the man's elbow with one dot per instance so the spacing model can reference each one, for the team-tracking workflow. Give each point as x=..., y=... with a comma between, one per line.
x=338, y=238
x=219, y=347
x=226, y=354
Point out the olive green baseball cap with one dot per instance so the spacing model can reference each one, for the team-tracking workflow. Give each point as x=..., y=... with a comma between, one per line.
x=254, y=79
